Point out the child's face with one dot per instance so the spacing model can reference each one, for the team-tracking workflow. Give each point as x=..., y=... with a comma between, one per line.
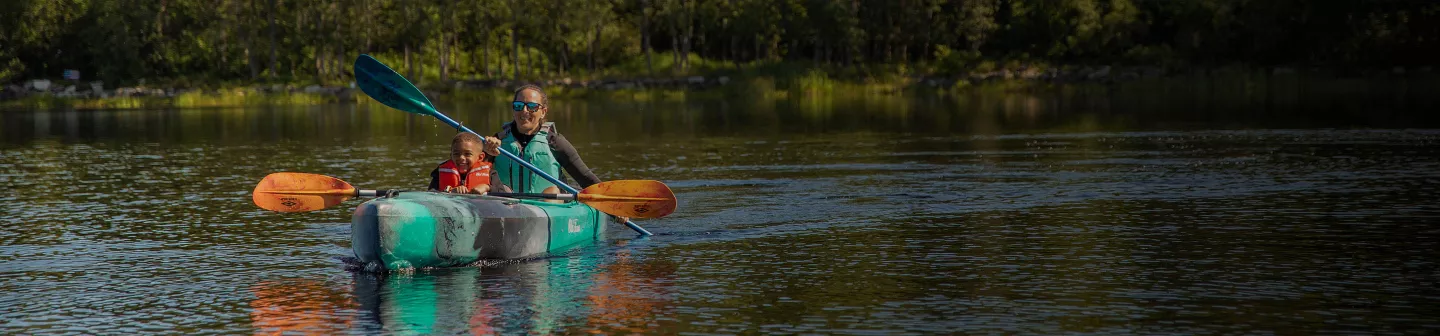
x=465, y=154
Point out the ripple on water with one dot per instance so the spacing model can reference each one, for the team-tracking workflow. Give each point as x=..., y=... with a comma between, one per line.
x=1159, y=232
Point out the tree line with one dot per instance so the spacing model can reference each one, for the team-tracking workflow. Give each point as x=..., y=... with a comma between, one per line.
x=277, y=40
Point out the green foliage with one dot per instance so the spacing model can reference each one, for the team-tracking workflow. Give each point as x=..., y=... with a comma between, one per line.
x=952, y=62
x=1150, y=55
x=208, y=41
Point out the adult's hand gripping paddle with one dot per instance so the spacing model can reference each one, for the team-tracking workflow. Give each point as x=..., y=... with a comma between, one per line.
x=388, y=87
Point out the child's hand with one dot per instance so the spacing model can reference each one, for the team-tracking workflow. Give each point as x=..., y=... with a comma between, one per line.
x=457, y=189
x=480, y=189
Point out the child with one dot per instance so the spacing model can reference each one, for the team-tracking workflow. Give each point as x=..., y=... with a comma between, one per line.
x=466, y=171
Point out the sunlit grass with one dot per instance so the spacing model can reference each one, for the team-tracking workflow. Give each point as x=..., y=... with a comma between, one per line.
x=759, y=80
x=193, y=99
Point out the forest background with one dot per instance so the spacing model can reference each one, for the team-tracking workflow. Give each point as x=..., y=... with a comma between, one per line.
x=209, y=44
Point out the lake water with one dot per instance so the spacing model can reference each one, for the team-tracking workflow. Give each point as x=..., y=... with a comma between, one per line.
x=1111, y=211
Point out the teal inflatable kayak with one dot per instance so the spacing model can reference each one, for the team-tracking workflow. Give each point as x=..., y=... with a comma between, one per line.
x=429, y=229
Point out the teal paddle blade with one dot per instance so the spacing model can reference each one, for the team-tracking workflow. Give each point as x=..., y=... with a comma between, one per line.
x=389, y=87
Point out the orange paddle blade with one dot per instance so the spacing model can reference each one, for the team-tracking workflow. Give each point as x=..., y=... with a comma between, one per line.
x=299, y=192
x=630, y=198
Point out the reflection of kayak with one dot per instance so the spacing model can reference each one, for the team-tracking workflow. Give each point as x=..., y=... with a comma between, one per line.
x=585, y=293
x=427, y=229
x=508, y=298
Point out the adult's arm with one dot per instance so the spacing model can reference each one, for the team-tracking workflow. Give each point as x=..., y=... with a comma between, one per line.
x=494, y=141
x=496, y=185
x=570, y=160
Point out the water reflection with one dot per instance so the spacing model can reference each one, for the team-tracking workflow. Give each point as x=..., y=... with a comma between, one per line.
x=1020, y=213
x=298, y=306
x=628, y=297
x=592, y=292
x=1212, y=101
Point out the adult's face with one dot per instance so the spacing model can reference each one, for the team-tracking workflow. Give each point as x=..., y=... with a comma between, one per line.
x=527, y=119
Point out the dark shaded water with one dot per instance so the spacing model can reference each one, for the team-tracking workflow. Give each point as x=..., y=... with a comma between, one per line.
x=1034, y=214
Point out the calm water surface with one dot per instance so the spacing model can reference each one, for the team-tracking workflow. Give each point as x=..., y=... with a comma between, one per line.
x=1033, y=214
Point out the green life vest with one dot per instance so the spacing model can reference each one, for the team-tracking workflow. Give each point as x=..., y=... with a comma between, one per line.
x=537, y=153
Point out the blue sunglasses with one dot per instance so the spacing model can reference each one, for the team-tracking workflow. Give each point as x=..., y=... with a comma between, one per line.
x=519, y=105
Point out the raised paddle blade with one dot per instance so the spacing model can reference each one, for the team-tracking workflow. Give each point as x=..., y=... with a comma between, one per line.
x=299, y=192
x=630, y=198
x=387, y=87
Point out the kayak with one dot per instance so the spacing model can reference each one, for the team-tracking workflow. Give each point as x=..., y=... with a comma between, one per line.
x=418, y=229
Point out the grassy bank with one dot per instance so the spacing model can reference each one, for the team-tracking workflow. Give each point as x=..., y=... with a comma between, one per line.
x=185, y=100
x=764, y=80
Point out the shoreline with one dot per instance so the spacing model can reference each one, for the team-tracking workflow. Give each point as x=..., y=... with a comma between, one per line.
x=811, y=83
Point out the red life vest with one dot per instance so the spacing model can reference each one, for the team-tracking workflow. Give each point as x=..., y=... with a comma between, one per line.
x=478, y=175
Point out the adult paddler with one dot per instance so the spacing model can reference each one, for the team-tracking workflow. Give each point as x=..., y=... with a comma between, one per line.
x=538, y=142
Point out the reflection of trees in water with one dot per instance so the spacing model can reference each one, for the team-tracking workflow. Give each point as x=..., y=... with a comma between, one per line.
x=298, y=306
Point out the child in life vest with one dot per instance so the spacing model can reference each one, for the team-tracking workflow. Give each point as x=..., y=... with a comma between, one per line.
x=467, y=170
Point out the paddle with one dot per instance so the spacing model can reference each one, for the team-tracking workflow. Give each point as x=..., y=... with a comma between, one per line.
x=300, y=192
x=390, y=88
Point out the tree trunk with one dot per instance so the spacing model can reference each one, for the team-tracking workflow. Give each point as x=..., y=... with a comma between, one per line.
x=815, y=58
x=594, y=41
x=515, y=47
x=851, y=41
x=273, y=57
x=873, y=44
x=735, y=50
x=689, y=34
x=338, y=52
x=564, y=47
x=225, y=38
x=445, y=42
x=564, y=58
x=645, y=38
x=319, y=44
x=319, y=62
x=889, y=51
x=409, y=70
x=292, y=62
x=160, y=20
x=929, y=36
x=888, y=40
x=366, y=17
x=444, y=57
x=674, y=47
x=850, y=49
x=757, y=47
x=249, y=44
x=792, y=50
